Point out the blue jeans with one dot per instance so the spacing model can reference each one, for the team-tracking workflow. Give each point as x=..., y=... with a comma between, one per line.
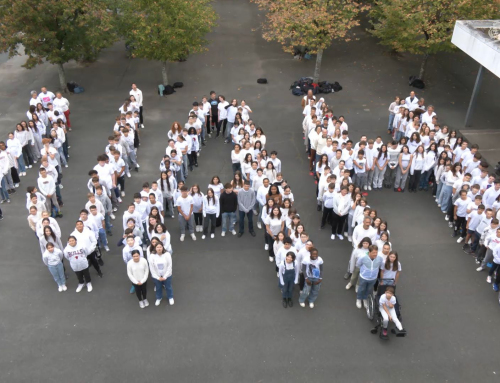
x=232, y=220
x=391, y=121
x=289, y=284
x=107, y=222
x=61, y=156
x=445, y=197
x=3, y=190
x=242, y=221
x=102, y=238
x=310, y=291
x=424, y=180
x=399, y=135
x=167, y=283
x=57, y=272
x=438, y=190
x=20, y=162
x=365, y=288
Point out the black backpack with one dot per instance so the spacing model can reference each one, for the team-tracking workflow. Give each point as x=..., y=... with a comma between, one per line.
x=297, y=91
x=178, y=85
x=416, y=82
x=336, y=87
x=169, y=89
x=262, y=81
x=71, y=86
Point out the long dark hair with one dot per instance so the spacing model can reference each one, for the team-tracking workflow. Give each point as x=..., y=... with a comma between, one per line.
x=395, y=265
x=381, y=152
x=52, y=234
x=212, y=197
x=167, y=181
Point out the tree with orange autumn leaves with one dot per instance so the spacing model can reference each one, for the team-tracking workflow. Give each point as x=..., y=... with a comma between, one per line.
x=313, y=24
x=424, y=27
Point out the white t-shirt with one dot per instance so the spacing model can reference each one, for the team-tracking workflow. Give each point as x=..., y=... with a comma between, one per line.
x=185, y=204
x=462, y=206
x=274, y=224
x=390, y=274
x=222, y=109
x=384, y=301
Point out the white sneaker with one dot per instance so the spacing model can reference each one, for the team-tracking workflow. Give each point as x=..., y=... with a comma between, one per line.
x=365, y=188
x=112, y=216
x=255, y=212
x=61, y=186
x=346, y=233
x=450, y=224
x=259, y=225
x=141, y=304
x=233, y=232
x=223, y=234
x=480, y=268
x=171, y=301
x=488, y=279
x=278, y=274
x=266, y=247
x=311, y=305
x=60, y=289
x=439, y=205
x=137, y=166
x=64, y=288
x=106, y=248
x=122, y=194
x=119, y=200
x=16, y=185
x=158, y=301
x=369, y=188
x=365, y=303
x=115, y=209
x=341, y=237
x=193, y=236
x=30, y=166
x=358, y=304
x=348, y=286
x=302, y=304
x=146, y=303
x=332, y=237
x=349, y=238
x=129, y=175
x=142, y=126
x=356, y=288
x=203, y=236
x=446, y=218
x=79, y=287
x=182, y=237
x=271, y=259
x=460, y=239
x=212, y=235
x=89, y=287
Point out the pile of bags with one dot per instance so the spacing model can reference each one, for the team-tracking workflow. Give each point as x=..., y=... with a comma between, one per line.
x=302, y=86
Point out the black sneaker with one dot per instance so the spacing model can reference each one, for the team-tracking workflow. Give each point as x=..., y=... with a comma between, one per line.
x=252, y=233
x=290, y=302
x=285, y=303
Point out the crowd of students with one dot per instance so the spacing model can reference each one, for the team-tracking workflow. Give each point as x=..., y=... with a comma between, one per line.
x=433, y=156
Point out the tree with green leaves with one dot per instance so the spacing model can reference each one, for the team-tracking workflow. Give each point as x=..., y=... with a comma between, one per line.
x=424, y=27
x=312, y=24
x=55, y=31
x=166, y=30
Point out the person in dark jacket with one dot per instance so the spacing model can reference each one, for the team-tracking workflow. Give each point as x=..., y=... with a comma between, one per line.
x=228, y=205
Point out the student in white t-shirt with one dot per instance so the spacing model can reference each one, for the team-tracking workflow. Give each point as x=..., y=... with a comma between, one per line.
x=387, y=303
x=460, y=215
x=185, y=205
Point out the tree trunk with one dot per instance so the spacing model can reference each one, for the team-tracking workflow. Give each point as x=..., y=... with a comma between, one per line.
x=317, y=68
x=164, y=72
x=422, y=67
x=62, y=78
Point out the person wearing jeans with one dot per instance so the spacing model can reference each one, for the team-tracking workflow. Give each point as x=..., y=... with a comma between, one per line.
x=231, y=109
x=312, y=269
x=185, y=205
x=52, y=258
x=228, y=205
x=160, y=265
x=246, y=202
x=369, y=266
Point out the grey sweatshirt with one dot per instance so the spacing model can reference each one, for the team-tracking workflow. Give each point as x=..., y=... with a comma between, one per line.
x=246, y=200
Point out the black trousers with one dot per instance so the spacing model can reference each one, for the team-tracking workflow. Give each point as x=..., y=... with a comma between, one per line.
x=327, y=216
x=209, y=219
x=192, y=160
x=141, y=291
x=15, y=175
x=28, y=155
x=414, y=180
x=222, y=123
x=141, y=118
x=460, y=225
x=92, y=258
x=83, y=276
x=338, y=222
x=198, y=218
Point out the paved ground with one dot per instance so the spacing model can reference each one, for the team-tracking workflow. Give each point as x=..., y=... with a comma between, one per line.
x=227, y=324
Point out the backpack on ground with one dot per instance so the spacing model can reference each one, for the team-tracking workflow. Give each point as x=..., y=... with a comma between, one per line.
x=169, y=89
x=297, y=91
x=262, y=81
x=178, y=85
x=416, y=82
x=78, y=89
x=71, y=86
